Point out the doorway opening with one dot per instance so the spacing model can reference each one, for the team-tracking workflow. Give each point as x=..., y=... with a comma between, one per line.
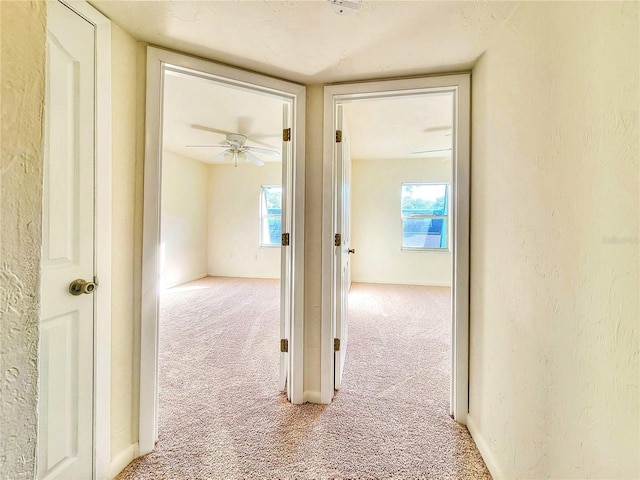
x=220, y=252
x=223, y=168
x=397, y=215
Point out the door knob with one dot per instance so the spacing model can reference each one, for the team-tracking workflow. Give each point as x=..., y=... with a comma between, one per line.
x=80, y=286
x=351, y=250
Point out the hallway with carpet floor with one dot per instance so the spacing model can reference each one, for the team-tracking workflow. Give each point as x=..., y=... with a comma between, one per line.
x=221, y=415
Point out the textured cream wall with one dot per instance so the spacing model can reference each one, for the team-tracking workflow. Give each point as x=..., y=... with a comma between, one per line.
x=234, y=221
x=313, y=239
x=184, y=222
x=376, y=226
x=554, y=243
x=23, y=36
x=140, y=101
x=123, y=318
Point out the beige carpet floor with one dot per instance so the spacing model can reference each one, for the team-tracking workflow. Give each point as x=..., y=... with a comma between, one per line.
x=221, y=415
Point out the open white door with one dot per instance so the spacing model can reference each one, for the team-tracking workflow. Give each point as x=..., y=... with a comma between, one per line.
x=342, y=242
x=286, y=251
x=65, y=423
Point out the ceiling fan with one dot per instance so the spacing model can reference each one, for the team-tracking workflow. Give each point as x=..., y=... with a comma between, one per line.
x=444, y=130
x=432, y=151
x=236, y=151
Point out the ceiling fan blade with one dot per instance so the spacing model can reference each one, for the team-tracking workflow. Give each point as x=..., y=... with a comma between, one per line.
x=208, y=146
x=432, y=151
x=210, y=129
x=252, y=158
x=225, y=154
x=262, y=136
x=244, y=123
x=264, y=151
x=439, y=128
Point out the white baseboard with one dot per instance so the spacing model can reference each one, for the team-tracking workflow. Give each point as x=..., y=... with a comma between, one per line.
x=185, y=280
x=123, y=459
x=485, y=451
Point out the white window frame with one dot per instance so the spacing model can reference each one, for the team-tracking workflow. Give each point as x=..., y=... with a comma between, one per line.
x=403, y=217
x=264, y=216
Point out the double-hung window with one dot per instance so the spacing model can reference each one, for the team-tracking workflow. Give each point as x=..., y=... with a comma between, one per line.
x=270, y=215
x=425, y=216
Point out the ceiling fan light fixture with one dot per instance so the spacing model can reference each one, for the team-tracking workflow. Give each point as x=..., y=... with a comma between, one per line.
x=345, y=7
x=235, y=150
x=236, y=139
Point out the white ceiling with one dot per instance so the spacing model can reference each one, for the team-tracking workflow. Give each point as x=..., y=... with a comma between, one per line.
x=396, y=128
x=304, y=41
x=200, y=112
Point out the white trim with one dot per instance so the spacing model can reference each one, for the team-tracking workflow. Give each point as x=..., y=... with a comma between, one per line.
x=327, y=352
x=158, y=61
x=459, y=84
x=461, y=203
x=123, y=459
x=102, y=208
x=485, y=451
x=264, y=216
x=392, y=282
x=150, y=283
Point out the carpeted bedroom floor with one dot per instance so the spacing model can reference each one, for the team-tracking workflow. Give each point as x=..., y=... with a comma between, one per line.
x=222, y=417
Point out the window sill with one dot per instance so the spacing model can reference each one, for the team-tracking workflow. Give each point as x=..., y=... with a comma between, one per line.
x=425, y=250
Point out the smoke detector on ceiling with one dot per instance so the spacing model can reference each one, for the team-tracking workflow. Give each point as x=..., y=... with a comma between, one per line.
x=345, y=7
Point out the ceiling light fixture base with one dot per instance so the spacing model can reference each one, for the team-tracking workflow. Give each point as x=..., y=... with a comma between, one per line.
x=236, y=139
x=345, y=7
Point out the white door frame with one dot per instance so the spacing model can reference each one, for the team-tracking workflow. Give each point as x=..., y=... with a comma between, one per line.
x=102, y=238
x=459, y=85
x=159, y=60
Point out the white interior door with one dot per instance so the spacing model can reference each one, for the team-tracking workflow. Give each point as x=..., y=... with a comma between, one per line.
x=343, y=249
x=286, y=252
x=65, y=423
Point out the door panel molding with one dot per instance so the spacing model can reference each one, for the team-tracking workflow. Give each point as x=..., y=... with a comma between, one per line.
x=459, y=85
x=159, y=61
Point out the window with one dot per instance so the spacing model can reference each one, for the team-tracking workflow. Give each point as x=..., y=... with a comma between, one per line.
x=270, y=215
x=425, y=211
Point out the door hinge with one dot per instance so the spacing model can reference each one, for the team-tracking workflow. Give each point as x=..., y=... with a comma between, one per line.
x=286, y=134
x=285, y=239
x=336, y=344
x=338, y=136
x=337, y=240
x=284, y=345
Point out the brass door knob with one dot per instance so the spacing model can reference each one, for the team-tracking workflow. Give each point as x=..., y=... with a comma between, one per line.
x=80, y=286
x=351, y=250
